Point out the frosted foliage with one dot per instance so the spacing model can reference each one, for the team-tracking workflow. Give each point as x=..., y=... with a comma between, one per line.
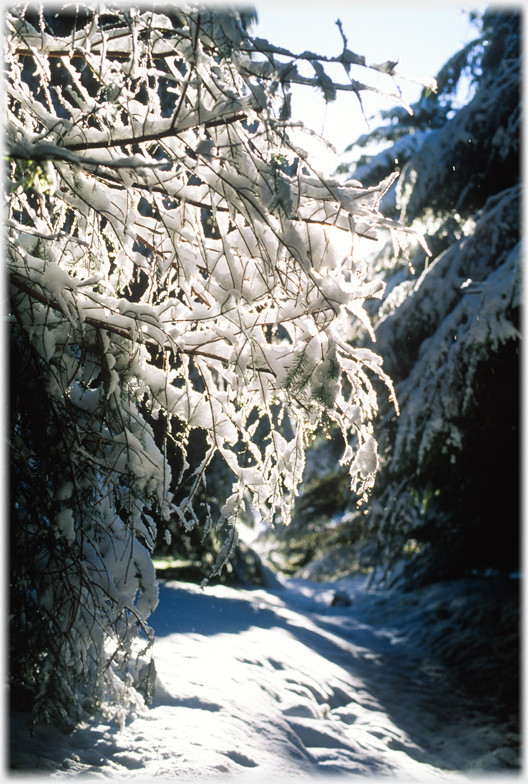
x=460, y=309
x=400, y=152
x=440, y=387
x=175, y=259
x=419, y=309
x=481, y=136
x=459, y=313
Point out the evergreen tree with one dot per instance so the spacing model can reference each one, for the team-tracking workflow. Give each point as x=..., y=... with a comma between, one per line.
x=449, y=327
x=446, y=501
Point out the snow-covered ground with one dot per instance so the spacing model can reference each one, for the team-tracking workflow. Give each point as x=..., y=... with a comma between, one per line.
x=277, y=684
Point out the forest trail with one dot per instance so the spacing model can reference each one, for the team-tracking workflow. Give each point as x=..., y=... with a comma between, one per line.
x=278, y=684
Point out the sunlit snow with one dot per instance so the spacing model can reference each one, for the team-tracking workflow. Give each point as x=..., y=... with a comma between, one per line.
x=277, y=684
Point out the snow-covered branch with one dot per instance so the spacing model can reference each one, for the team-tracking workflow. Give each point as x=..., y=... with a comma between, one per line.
x=173, y=258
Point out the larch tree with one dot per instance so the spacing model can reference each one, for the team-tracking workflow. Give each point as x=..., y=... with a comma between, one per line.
x=177, y=265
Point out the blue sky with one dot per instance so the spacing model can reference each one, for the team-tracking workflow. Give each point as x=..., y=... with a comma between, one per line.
x=421, y=37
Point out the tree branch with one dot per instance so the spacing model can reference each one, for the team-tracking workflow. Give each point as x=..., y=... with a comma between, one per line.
x=123, y=333
x=104, y=141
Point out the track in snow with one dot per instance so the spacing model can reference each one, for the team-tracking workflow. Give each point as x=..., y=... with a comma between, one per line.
x=278, y=684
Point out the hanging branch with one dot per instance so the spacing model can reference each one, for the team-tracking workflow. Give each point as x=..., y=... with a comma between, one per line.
x=173, y=254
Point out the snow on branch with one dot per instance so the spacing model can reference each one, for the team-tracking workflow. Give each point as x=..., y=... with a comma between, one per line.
x=194, y=268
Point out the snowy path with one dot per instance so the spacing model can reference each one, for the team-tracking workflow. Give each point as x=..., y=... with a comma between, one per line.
x=274, y=685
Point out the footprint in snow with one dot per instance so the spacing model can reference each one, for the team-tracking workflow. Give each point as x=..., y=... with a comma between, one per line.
x=241, y=759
